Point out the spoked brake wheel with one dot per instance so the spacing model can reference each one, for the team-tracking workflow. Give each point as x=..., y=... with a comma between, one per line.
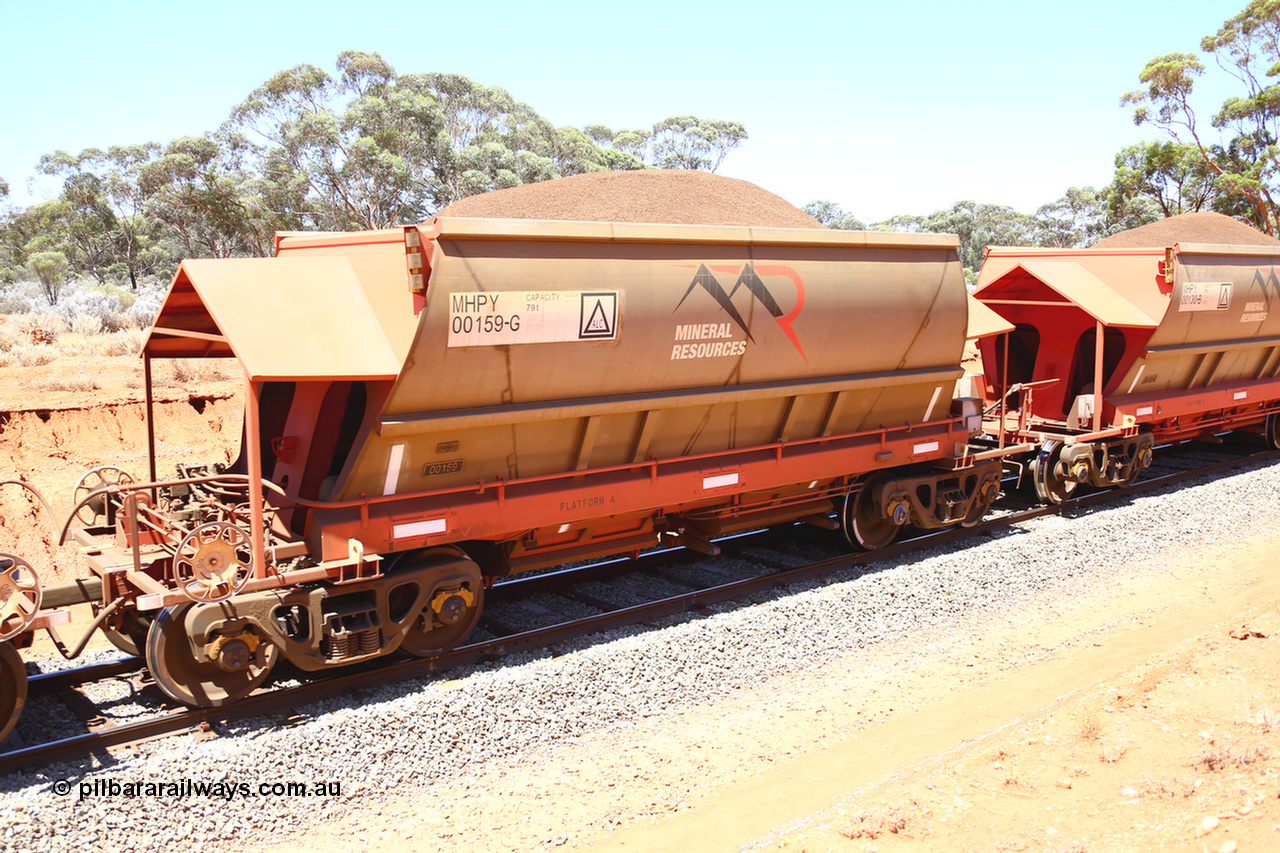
x=94, y=485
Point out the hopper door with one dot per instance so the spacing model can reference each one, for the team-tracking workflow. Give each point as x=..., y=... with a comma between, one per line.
x=307, y=432
x=1022, y=347
x=1081, y=378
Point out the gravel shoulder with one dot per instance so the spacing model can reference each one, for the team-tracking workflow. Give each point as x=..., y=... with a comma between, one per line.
x=1143, y=715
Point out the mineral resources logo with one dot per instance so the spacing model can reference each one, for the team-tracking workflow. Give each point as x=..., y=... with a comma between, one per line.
x=1270, y=281
x=718, y=339
x=1256, y=311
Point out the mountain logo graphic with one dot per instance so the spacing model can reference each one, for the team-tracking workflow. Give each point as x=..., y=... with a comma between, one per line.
x=1270, y=280
x=750, y=278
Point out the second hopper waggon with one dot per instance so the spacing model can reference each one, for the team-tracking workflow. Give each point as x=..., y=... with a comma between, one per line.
x=1111, y=350
x=432, y=407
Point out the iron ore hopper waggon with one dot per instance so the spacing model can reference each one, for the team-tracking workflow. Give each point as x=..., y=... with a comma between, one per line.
x=432, y=407
x=1109, y=351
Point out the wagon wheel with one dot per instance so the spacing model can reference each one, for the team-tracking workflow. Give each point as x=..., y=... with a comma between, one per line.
x=19, y=596
x=450, y=614
x=13, y=688
x=129, y=634
x=1272, y=432
x=213, y=562
x=461, y=619
x=1135, y=470
x=988, y=493
x=94, y=485
x=864, y=529
x=1053, y=483
x=199, y=683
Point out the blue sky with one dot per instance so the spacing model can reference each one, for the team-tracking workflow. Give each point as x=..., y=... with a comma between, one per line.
x=885, y=108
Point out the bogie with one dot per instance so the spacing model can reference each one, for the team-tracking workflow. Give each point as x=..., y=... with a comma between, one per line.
x=873, y=512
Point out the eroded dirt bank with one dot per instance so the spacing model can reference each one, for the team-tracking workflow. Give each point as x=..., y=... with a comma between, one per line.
x=60, y=420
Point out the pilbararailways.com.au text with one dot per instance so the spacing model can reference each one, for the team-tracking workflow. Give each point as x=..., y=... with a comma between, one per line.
x=100, y=788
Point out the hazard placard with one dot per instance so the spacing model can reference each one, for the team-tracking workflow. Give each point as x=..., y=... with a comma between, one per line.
x=533, y=317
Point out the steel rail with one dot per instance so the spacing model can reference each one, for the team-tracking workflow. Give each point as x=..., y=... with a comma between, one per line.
x=328, y=687
x=46, y=683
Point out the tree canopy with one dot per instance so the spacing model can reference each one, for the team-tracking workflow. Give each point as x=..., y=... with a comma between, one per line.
x=1238, y=172
x=1080, y=217
x=360, y=148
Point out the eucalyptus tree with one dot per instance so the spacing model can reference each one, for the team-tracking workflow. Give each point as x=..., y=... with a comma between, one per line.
x=6, y=250
x=211, y=206
x=676, y=142
x=344, y=141
x=50, y=270
x=106, y=232
x=1173, y=176
x=977, y=225
x=629, y=143
x=1240, y=147
x=1073, y=221
x=369, y=148
x=688, y=142
x=834, y=216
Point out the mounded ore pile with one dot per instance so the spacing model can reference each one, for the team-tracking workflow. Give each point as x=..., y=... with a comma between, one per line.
x=1202, y=227
x=668, y=196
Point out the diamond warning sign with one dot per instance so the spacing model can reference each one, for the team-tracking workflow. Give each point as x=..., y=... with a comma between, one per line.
x=532, y=317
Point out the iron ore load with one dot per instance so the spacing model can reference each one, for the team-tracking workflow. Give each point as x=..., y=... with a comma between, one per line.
x=1146, y=337
x=432, y=407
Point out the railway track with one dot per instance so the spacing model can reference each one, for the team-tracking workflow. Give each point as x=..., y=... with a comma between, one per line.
x=750, y=563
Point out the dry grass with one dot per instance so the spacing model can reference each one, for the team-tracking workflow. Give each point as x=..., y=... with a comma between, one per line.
x=1220, y=756
x=182, y=372
x=86, y=325
x=28, y=355
x=123, y=342
x=1112, y=749
x=1264, y=719
x=1089, y=726
x=877, y=821
x=34, y=340
x=1016, y=782
x=72, y=344
x=1166, y=787
x=80, y=383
